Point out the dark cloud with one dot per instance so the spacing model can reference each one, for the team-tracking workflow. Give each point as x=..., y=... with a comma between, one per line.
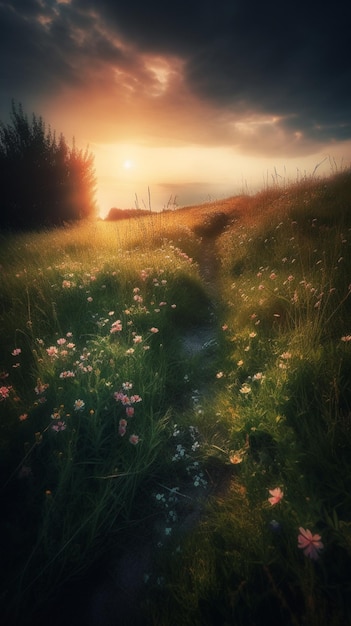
x=244, y=58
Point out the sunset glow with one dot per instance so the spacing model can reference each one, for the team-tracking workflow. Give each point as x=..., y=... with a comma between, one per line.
x=195, y=109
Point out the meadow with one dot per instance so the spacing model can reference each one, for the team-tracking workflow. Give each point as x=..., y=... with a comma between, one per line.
x=175, y=390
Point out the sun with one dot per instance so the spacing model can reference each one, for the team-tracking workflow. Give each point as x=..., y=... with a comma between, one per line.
x=128, y=164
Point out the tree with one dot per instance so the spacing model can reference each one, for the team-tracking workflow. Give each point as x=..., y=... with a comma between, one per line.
x=43, y=182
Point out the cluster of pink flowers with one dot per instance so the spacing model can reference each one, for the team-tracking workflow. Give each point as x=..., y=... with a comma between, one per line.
x=116, y=327
x=59, y=424
x=127, y=401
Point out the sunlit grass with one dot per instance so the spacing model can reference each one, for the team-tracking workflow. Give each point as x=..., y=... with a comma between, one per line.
x=109, y=426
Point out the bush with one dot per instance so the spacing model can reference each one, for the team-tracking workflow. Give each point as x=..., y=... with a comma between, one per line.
x=43, y=182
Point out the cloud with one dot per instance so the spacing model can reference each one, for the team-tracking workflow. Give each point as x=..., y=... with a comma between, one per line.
x=261, y=77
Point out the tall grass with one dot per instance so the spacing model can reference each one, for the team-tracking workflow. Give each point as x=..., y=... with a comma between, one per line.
x=110, y=426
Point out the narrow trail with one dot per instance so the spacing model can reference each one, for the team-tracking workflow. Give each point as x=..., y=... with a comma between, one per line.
x=113, y=592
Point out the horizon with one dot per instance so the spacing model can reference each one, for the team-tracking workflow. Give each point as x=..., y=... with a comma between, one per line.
x=194, y=108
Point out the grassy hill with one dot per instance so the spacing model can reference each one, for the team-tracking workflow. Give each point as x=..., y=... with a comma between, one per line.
x=175, y=403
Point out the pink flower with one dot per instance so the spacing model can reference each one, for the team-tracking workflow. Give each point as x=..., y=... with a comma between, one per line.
x=79, y=405
x=60, y=425
x=129, y=411
x=134, y=439
x=52, y=351
x=67, y=374
x=310, y=544
x=277, y=495
x=135, y=398
x=16, y=352
x=4, y=392
x=116, y=327
x=122, y=427
x=40, y=387
x=154, y=330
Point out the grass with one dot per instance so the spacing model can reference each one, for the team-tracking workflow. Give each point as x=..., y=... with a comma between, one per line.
x=111, y=431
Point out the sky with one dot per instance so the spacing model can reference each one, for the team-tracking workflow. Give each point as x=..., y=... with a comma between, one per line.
x=186, y=101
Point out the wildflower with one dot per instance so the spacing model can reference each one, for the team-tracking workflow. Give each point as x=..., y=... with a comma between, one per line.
x=310, y=544
x=134, y=439
x=153, y=330
x=52, y=351
x=129, y=411
x=61, y=341
x=245, y=389
x=118, y=395
x=4, y=392
x=40, y=387
x=219, y=375
x=67, y=374
x=225, y=327
x=235, y=458
x=79, y=405
x=272, y=276
x=252, y=335
x=240, y=363
x=16, y=352
x=122, y=427
x=277, y=495
x=258, y=376
x=60, y=425
x=346, y=338
x=285, y=355
x=130, y=351
x=23, y=417
x=137, y=339
x=89, y=299
x=143, y=274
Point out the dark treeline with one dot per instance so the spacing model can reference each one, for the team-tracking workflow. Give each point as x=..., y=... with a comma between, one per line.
x=43, y=181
